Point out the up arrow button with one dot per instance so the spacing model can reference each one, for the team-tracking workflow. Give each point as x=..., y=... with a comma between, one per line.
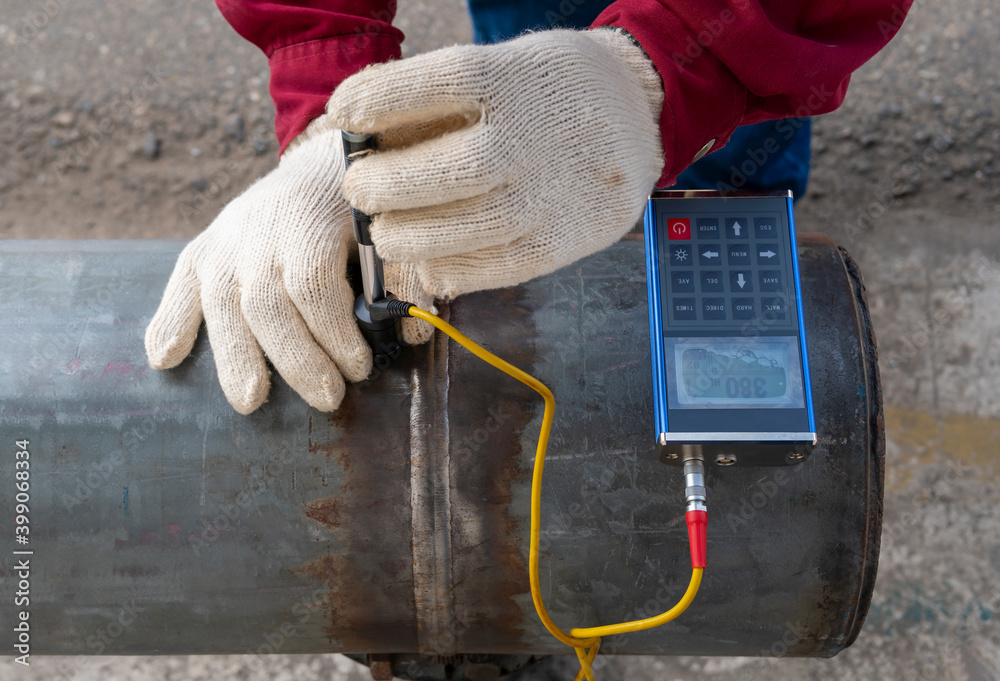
x=736, y=228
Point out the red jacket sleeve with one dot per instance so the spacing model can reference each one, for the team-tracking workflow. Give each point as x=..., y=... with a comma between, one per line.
x=726, y=63
x=312, y=47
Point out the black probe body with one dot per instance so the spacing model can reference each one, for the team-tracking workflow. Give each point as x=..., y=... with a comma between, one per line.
x=379, y=328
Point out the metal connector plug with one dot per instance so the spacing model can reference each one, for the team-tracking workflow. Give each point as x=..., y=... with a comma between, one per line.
x=694, y=477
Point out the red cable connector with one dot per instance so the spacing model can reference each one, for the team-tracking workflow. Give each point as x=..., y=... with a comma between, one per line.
x=697, y=522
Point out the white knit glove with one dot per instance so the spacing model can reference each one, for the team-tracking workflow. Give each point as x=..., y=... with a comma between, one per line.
x=269, y=277
x=561, y=149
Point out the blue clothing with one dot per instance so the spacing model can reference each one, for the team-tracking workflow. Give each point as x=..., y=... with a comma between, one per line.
x=773, y=155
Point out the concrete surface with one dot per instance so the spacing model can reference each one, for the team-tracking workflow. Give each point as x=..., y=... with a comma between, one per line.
x=905, y=176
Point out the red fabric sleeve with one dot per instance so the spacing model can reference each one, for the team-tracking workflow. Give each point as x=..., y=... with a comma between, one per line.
x=312, y=47
x=726, y=63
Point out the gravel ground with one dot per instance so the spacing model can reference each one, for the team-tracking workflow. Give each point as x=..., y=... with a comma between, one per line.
x=905, y=176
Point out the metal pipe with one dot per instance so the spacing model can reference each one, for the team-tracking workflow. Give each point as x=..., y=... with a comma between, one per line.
x=164, y=522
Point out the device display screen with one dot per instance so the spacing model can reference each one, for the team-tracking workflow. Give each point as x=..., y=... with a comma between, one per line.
x=728, y=373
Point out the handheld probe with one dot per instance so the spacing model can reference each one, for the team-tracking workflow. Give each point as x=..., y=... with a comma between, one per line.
x=379, y=329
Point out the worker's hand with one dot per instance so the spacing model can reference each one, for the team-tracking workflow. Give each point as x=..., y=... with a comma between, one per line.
x=269, y=277
x=558, y=157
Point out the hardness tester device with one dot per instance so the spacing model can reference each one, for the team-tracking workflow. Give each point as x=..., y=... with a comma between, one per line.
x=729, y=359
x=730, y=367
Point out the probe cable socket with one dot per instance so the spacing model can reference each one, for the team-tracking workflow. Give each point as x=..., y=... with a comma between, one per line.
x=390, y=307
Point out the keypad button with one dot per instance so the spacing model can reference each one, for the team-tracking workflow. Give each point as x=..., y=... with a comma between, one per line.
x=767, y=254
x=773, y=309
x=744, y=308
x=713, y=308
x=684, y=309
x=711, y=281
x=765, y=228
x=682, y=281
x=680, y=254
x=679, y=229
x=737, y=228
x=707, y=228
x=710, y=254
x=740, y=282
x=738, y=254
x=770, y=280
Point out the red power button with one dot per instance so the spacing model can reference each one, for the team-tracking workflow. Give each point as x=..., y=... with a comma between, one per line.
x=679, y=228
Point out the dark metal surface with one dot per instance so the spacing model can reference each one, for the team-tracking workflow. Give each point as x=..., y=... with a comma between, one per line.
x=164, y=522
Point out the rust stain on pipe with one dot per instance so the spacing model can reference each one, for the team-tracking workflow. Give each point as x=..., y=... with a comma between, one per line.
x=488, y=412
x=325, y=511
x=367, y=565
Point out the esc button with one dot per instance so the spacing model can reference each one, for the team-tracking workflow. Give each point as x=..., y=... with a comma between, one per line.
x=765, y=228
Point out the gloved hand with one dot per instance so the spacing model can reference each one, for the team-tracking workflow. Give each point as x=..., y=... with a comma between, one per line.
x=562, y=150
x=269, y=277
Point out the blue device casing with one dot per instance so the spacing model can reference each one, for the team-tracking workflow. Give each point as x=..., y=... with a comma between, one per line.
x=740, y=433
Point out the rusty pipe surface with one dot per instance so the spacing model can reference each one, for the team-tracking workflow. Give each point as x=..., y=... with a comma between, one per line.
x=164, y=522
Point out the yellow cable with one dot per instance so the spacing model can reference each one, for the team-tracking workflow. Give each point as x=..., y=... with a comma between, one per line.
x=585, y=662
x=580, y=639
x=649, y=622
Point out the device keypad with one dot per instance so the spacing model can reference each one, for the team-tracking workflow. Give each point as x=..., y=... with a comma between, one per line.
x=727, y=268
